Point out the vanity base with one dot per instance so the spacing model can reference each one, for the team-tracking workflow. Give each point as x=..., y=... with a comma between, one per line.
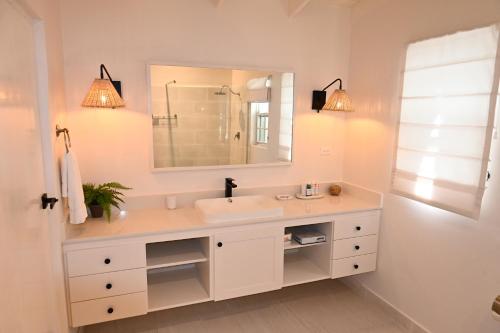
x=125, y=277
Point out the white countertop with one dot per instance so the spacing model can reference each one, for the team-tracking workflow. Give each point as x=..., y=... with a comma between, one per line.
x=142, y=222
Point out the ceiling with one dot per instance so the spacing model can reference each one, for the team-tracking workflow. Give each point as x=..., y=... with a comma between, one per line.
x=345, y=2
x=296, y=6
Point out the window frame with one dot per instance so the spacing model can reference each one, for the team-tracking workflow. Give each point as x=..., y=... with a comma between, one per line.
x=258, y=130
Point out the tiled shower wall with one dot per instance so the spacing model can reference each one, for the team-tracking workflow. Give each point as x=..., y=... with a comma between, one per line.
x=200, y=135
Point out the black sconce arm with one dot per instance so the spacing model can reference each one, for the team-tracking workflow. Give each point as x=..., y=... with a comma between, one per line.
x=116, y=84
x=328, y=86
x=319, y=96
x=104, y=69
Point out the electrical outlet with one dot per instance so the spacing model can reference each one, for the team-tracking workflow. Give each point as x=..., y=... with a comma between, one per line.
x=325, y=151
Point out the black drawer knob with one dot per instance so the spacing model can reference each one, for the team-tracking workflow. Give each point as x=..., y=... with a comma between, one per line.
x=219, y=244
x=109, y=286
x=110, y=310
x=107, y=261
x=356, y=247
x=356, y=266
x=358, y=228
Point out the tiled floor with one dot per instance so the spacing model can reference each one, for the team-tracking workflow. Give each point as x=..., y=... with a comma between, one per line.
x=326, y=306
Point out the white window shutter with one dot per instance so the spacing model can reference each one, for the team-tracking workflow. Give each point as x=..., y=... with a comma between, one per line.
x=450, y=93
x=259, y=89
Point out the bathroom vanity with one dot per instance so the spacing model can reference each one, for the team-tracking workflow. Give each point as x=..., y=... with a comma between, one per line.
x=155, y=259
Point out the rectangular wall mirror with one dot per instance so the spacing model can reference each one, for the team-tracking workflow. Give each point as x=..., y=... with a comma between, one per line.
x=209, y=117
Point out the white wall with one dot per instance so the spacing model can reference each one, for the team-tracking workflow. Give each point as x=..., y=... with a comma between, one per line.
x=113, y=144
x=440, y=268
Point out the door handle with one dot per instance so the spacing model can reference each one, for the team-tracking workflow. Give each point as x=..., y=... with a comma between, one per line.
x=48, y=202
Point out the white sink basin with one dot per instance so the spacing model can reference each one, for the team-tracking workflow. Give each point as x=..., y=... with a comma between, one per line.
x=238, y=208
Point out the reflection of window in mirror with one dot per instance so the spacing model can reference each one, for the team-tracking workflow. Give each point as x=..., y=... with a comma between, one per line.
x=260, y=116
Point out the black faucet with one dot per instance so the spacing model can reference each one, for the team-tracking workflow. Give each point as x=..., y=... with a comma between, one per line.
x=229, y=187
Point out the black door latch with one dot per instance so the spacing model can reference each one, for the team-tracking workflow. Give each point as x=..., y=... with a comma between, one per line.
x=48, y=202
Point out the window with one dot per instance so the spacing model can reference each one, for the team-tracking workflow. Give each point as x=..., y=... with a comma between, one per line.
x=450, y=92
x=261, y=114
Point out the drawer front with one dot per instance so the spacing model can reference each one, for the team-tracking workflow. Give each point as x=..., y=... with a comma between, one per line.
x=350, y=247
x=82, y=288
x=105, y=259
x=355, y=225
x=110, y=308
x=354, y=265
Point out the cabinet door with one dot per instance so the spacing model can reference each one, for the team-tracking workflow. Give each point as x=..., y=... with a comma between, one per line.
x=248, y=262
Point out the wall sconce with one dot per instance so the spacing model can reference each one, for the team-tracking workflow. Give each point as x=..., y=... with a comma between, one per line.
x=338, y=101
x=104, y=93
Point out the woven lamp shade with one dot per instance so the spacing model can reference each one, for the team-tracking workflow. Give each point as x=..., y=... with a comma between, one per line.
x=339, y=101
x=102, y=94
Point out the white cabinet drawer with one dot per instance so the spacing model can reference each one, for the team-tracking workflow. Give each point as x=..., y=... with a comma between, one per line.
x=355, y=225
x=354, y=265
x=82, y=288
x=350, y=247
x=105, y=259
x=110, y=308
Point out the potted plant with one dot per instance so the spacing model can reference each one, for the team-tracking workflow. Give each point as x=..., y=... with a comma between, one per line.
x=100, y=198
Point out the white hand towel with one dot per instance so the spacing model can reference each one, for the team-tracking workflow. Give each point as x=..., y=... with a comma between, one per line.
x=72, y=188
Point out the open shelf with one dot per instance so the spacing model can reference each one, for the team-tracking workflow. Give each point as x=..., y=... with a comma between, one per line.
x=295, y=245
x=324, y=229
x=309, y=262
x=299, y=268
x=173, y=253
x=175, y=286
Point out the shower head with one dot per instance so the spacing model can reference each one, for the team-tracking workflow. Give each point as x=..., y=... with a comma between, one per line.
x=170, y=82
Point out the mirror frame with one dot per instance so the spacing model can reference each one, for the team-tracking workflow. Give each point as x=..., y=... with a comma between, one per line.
x=213, y=167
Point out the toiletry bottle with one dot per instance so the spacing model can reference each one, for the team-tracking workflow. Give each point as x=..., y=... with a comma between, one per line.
x=309, y=190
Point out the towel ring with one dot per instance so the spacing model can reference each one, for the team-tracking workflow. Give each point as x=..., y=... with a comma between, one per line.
x=67, y=138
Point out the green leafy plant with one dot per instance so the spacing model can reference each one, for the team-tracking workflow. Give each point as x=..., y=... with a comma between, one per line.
x=105, y=195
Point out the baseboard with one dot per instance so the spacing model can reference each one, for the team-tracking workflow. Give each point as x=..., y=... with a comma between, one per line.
x=402, y=318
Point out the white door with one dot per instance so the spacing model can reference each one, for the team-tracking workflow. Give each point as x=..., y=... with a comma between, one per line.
x=248, y=262
x=26, y=296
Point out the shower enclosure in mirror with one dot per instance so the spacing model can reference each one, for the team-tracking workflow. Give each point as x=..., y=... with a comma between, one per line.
x=206, y=117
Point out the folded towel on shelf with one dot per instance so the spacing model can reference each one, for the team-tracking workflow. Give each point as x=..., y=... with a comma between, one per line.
x=72, y=188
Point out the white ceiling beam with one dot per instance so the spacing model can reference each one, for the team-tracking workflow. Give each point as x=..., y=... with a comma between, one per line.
x=217, y=3
x=296, y=6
